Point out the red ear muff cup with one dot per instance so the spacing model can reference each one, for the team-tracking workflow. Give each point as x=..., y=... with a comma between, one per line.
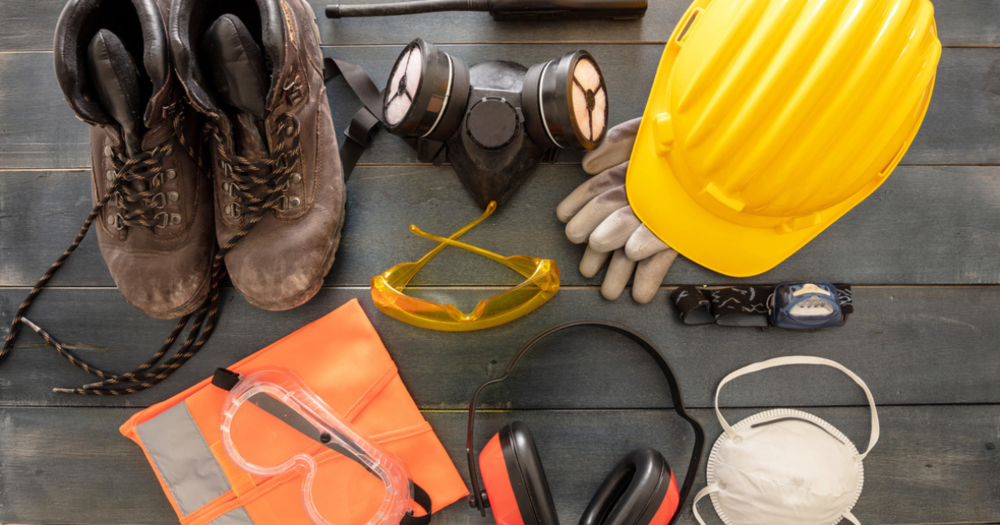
x=526, y=476
x=496, y=481
x=427, y=93
x=565, y=102
x=640, y=490
x=668, y=506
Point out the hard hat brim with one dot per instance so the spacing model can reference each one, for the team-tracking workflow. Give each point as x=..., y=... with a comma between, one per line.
x=735, y=250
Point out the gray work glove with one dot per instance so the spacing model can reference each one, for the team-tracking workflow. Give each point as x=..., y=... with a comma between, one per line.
x=598, y=214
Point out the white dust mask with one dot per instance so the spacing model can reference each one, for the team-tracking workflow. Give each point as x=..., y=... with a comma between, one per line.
x=784, y=466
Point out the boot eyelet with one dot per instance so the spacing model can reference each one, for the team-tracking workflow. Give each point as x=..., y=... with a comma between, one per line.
x=173, y=196
x=119, y=221
x=157, y=180
x=295, y=202
x=175, y=219
x=108, y=152
x=163, y=219
x=281, y=204
x=111, y=220
x=110, y=175
x=158, y=201
x=171, y=174
x=296, y=178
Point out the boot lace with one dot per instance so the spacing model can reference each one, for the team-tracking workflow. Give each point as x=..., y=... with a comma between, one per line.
x=259, y=184
x=265, y=181
x=134, y=189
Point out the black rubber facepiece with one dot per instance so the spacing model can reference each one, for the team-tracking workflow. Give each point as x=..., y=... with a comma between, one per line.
x=427, y=93
x=566, y=102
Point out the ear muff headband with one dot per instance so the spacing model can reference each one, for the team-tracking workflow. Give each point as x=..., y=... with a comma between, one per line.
x=476, y=498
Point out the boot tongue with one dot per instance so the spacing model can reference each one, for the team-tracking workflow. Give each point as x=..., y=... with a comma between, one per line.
x=239, y=76
x=116, y=79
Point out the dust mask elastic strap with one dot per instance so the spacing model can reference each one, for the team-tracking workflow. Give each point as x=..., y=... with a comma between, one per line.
x=799, y=360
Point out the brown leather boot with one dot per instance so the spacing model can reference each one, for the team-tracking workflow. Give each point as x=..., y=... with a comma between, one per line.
x=112, y=62
x=254, y=67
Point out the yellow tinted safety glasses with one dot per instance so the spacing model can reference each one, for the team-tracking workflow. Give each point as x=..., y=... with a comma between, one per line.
x=542, y=283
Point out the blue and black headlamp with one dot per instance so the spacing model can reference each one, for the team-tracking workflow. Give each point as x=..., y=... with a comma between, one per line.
x=791, y=306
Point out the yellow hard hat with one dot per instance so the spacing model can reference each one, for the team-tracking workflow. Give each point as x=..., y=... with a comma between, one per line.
x=770, y=119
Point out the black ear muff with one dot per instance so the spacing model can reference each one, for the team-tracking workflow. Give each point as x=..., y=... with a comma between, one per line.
x=527, y=477
x=565, y=102
x=427, y=93
x=636, y=492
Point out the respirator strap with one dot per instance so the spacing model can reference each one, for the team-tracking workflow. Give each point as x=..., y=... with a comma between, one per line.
x=710, y=489
x=366, y=120
x=800, y=360
x=737, y=305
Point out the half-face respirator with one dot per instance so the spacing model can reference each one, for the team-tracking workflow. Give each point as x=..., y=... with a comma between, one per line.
x=494, y=121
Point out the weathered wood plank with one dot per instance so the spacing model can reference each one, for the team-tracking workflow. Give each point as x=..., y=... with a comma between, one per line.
x=926, y=225
x=72, y=466
x=40, y=131
x=911, y=344
x=29, y=25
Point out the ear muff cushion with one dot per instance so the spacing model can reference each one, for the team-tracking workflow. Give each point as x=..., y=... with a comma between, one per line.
x=527, y=476
x=634, y=492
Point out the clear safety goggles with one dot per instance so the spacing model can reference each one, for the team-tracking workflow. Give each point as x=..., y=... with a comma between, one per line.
x=273, y=423
x=542, y=282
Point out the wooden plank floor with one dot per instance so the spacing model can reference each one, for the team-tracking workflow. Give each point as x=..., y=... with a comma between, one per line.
x=924, y=252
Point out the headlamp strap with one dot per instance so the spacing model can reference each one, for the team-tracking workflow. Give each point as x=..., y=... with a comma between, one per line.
x=738, y=305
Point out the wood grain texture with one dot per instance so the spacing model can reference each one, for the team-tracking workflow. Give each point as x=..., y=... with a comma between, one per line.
x=72, y=466
x=926, y=225
x=913, y=345
x=40, y=131
x=29, y=25
x=928, y=352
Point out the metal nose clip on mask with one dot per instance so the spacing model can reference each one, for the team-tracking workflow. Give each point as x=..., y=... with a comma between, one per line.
x=494, y=121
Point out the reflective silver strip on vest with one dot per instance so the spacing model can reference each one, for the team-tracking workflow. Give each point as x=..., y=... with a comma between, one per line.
x=184, y=460
x=234, y=517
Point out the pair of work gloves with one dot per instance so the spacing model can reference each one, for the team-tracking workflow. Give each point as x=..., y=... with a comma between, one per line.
x=598, y=213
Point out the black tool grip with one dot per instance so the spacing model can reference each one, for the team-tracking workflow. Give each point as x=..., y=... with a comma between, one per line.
x=502, y=9
x=567, y=9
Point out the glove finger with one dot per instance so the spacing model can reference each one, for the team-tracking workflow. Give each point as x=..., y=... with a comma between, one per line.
x=583, y=224
x=615, y=231
x=616, y=148
x=618, y=274
x=649, y=275
x=586, y=192
x=592, y=262
x=644, y=243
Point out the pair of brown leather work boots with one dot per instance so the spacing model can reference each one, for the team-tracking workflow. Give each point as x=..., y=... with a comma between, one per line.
x=209, y=123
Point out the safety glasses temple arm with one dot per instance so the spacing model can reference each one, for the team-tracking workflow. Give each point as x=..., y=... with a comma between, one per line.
x=478, y=251
x=403, y=278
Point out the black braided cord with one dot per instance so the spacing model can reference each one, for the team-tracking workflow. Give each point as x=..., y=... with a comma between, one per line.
x=260, y=184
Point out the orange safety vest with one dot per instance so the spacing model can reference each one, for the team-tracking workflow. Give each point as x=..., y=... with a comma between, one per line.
x=342, y=359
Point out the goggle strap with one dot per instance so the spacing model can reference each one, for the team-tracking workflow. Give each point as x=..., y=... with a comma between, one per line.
x=422, y=498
